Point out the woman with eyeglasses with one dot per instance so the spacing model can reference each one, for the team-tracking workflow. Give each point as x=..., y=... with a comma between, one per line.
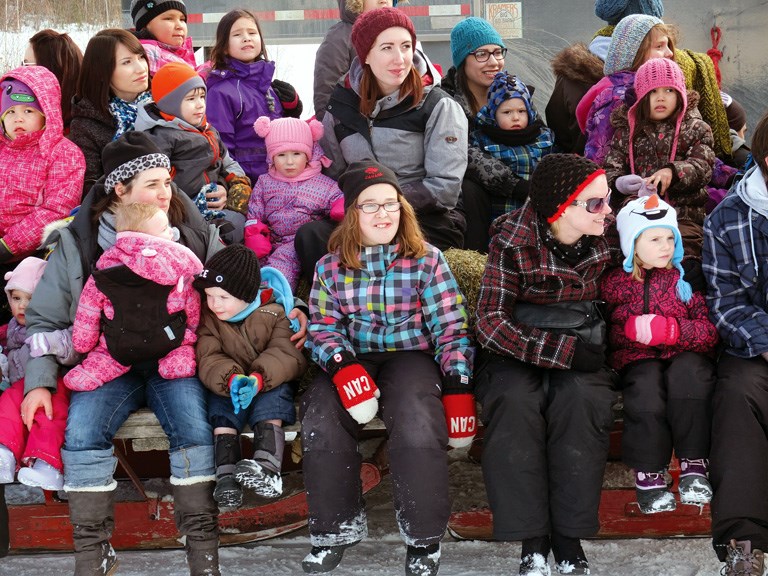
x=389, y=108
x=390, y=330
x=478, y=54
x=546, y=394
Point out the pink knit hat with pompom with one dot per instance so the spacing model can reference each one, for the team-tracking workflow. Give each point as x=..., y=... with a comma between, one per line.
x=25, y=276
x=657, y=73
x=288, y=134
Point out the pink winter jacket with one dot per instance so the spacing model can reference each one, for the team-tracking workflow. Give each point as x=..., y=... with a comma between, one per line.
x=156, y=259
x=159, y=54
x=41, y=173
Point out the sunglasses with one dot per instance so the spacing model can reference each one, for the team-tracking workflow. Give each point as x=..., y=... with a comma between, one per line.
x=593, y=205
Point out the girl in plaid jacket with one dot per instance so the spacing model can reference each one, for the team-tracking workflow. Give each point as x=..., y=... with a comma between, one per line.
x=387, y=322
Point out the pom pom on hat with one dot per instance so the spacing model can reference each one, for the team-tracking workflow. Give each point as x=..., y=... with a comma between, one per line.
x=627, y=37
x=170, y=85
x=25, y=276
x=469, y=34
x=234, y=269
x=288, y=134
x=369, y=25
x=614, y=10
x=650, y=212
x=557, y=180
x=144, y=11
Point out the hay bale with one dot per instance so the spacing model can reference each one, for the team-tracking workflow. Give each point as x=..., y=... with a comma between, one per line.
x=467, y=266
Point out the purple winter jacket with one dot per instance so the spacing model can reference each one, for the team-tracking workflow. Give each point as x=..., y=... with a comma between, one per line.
x=237, y=96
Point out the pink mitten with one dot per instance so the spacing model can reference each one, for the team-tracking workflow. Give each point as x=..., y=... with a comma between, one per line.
x=257, y=238
x=337, y=210
x=652, y=330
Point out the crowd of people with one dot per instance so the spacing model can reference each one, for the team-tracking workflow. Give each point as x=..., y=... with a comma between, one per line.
x=168, y=210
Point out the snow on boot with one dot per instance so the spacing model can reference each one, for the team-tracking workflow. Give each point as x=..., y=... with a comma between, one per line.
x=653, y=495
x=534, y=557
x=42, y=475
x=569, y=555
x=197, y=515
x=7, y=465
x=422, y=560
x=694, y=486
x=262, y=473
x=5, y=536
x=93, y=520
x=742, y=560
x=323, y=559
x=228, y=493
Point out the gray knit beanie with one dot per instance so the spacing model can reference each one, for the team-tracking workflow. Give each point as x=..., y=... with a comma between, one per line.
x=626, y=40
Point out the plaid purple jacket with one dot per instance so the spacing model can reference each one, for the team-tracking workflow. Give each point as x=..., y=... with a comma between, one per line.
x=389, y=305
x=521, y=268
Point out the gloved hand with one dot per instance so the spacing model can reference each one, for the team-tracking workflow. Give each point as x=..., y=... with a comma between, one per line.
x=355, y=387
x=460, y=410
x=588, y=357
x=630, y=184
x=652, y=330
x=256, y=237
x=243, y=389
x=337, y=210
x=239, y=194
x=55, y=343
x=289, y=99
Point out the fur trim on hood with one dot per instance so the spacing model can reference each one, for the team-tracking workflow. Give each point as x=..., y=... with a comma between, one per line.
x=576, y=62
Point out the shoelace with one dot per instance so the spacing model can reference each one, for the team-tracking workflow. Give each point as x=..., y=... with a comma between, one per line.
x=737, y=556
x=698, y=461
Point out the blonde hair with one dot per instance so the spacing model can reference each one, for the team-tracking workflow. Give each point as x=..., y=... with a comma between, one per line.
x=348, y=241
x=133, y=217
x=645, y=45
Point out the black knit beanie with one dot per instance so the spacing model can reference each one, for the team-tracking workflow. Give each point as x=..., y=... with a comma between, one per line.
x=144, y=11
x=234, y=269
x=130, y=154
x=361, y=175
x=557, y=180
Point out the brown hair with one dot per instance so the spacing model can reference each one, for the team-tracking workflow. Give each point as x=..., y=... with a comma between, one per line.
x=59, y=54
x=369, y=89
x=98, y=65
x=347, y=239
x=133, y=217
x=219, y=51
x=462, y=84
x=643, y=111
x=663, y=29
x=760, y=144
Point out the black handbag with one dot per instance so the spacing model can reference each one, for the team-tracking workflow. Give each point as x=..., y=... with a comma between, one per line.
x=583, y=319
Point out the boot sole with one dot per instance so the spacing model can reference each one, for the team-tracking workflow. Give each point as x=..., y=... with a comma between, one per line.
x=252, y=476
x=229, y=500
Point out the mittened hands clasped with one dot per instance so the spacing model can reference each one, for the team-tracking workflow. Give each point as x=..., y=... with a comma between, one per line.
x=652, y=330
x=243, y=389
x=356, y=388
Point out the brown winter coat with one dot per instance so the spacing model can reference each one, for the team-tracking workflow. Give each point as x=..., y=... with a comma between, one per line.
x=260, y=343
x=691, y=169
x=576, y=70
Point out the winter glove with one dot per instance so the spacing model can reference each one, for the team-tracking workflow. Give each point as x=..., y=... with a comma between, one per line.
x=694, y=275
x=337, y=210
x=355, y=387
x=243, y=389
x=55, y=343
x=257, y=238
x=588, y=357
x=238, y=194
x=652, y=330
x=201, y=201
x=630, y=184
x=289, y=99
x=460, y=410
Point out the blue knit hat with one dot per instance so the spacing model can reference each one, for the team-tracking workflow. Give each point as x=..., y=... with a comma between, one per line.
x=469, y=34
x=614, y=10
x=626, y=40
x=506, y=86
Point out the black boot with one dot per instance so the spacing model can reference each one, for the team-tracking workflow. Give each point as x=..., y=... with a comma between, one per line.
x=227, y=493
x=422, y=560
x=534, y=557
x=197, y=519
x=323, y=559
x=93, y=520
x=5, y=536
x=262, y=473
x=569, y=555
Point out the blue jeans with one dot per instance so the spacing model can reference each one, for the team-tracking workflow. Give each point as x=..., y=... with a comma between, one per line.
x=275, y=404
x=96, y=415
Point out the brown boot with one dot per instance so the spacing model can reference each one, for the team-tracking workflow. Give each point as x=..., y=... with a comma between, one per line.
x=197, y=518
x=743, y=560
x=93, y=520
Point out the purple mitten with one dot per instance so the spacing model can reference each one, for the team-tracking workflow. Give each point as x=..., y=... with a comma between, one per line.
x=630, y=184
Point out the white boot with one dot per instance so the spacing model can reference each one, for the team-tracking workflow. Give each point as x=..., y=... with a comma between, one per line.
x=42, y=475
x=7, y=465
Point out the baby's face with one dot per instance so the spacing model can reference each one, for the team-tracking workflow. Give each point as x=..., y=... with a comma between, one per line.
x=512, y=114
x=19, y=302
x=159, y=226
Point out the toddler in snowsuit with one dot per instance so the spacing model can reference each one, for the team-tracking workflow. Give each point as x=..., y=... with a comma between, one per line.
x=36, y=444
x=139, y=306
x=246, y=360
x=662, y=343
x=291, y=194
x=510, y=129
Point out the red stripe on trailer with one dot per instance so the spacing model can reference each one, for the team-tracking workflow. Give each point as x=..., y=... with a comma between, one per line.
x=194, y=18
x=465, y=9
x=266, y=15
x=415, y=10
x=330, y=14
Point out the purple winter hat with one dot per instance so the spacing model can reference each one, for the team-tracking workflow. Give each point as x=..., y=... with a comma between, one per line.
x=15, y=92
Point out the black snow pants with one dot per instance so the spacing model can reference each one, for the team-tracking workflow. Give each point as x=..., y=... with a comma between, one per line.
x=545, y=446
x=411, y=408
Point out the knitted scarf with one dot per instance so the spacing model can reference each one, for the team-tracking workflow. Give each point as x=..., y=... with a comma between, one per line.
x=570, y=254
x=125, y=113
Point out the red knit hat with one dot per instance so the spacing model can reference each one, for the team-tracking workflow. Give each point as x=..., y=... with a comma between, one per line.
x=657, y=73
x=369, y=25
x=171, y=83
x=288, y=134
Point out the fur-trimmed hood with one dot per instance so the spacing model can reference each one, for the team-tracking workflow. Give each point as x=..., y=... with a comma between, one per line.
x=577, y=63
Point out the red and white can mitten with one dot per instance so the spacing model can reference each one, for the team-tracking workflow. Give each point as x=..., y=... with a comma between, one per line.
x=355, y=387
x=460, y=411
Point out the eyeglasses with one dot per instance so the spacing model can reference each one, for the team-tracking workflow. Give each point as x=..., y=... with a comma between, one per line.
x=484, y=55
x=372, y=208
x=593, y=205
